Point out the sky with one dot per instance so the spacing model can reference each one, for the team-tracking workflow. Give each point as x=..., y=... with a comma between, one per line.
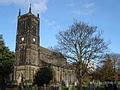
x=58, y=15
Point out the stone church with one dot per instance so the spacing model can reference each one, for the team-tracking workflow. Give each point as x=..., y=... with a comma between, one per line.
x=30, y=56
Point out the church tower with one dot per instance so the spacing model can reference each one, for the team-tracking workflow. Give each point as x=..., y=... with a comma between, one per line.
x=27, y=46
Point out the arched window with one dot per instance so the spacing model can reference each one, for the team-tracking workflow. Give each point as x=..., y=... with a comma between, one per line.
x=22, y=56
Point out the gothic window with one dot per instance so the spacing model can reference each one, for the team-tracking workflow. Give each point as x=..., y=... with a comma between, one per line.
x=33, y=58
x=25, y=25
x=22, y=27
x=34, y=29
x=22, y=56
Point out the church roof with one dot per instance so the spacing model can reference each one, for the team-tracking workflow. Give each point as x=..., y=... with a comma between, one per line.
x=52, y=57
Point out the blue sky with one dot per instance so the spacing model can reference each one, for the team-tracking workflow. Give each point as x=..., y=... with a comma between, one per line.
x=56, y=15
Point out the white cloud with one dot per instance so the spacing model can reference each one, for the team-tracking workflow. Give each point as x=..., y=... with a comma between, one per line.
x=38, y=6
x=71, y=4
x=89, y=5
x=82, y=8
x=16, y=2
x=52, y=23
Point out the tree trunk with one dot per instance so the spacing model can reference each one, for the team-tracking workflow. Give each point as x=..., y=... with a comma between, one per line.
x=3, y=84
x=80, y=83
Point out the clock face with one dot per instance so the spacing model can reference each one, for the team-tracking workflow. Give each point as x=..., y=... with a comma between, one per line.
x=33, y=39
x=22, y=39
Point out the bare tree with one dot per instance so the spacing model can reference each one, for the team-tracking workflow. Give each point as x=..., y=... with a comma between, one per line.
x=81, y=44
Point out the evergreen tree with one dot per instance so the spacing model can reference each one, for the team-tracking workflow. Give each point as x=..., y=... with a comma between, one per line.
x=6, y=62
x=43, y=76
